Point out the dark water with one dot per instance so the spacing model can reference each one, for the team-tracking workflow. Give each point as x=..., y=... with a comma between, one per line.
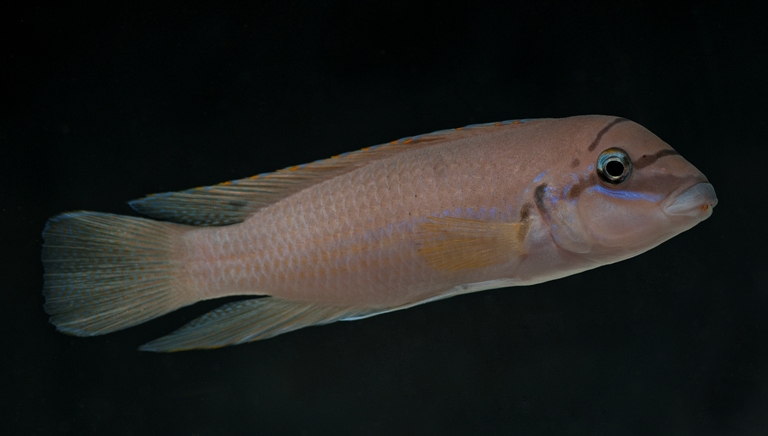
x=104, y=104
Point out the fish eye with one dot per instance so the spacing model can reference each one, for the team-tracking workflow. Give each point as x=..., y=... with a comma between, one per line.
x=614, y=166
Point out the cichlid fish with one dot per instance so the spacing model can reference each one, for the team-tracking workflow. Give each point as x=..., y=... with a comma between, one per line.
x=376, y=230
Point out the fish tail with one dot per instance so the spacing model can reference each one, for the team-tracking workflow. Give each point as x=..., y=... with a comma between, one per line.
x=107, y=272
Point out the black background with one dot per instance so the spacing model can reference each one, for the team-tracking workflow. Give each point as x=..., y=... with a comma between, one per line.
x=102, y=104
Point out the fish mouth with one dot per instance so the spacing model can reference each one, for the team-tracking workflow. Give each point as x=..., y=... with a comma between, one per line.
x=697, y=201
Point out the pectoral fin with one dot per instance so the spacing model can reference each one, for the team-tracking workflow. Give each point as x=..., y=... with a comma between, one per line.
x=454, y=244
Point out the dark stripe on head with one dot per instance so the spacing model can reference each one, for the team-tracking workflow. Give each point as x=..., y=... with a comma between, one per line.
x=525, y=221
x=525, y=211
x=538, y=197
x=648, y=159
x=575, y=163
x=581, y=186
x=602, y=131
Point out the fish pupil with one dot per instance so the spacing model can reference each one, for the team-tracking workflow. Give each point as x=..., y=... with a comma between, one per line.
x=614, y=168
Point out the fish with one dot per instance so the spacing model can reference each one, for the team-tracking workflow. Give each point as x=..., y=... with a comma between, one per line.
x=384, y=228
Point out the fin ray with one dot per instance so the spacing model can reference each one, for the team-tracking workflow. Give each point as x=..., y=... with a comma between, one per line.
x=234, y=201
x=107, y=272
x=250, y=320
x=454, y=244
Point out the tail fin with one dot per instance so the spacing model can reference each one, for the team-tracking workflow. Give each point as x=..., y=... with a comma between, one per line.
x=107, y=272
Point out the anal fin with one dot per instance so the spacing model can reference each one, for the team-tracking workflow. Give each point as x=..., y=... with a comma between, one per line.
x=251, y=320
x=261, y=318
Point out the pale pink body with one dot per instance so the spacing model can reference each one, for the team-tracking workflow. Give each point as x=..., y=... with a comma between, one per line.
x=380, y=229
x=351, y=240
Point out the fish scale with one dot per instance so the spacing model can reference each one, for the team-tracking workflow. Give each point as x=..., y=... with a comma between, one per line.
x=382, y=229
x=371, y=207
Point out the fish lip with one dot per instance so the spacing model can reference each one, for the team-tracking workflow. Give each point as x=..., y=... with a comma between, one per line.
x=696, y=200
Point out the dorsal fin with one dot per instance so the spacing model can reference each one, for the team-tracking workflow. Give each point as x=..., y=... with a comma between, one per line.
x=234, y=201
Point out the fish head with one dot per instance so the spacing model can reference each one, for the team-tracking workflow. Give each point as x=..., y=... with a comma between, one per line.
x=632, y=192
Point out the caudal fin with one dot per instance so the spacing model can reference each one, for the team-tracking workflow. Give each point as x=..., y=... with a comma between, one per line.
x=107, y=272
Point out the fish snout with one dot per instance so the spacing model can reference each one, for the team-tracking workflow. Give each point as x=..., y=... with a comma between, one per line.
x=696, y=201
